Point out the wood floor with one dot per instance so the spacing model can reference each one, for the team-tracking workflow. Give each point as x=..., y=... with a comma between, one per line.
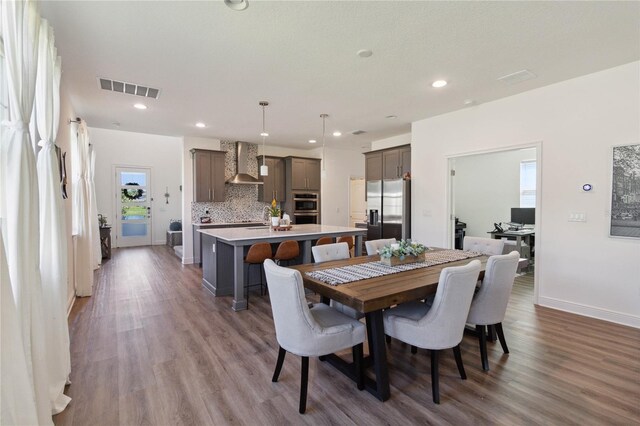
x=152, y=346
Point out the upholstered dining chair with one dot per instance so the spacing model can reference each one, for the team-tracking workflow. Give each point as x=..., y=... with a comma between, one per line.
x=374, y=245
x=488, y=246
x=304, y=331
x=489, y=305
x=438, y=325
x=327, y=253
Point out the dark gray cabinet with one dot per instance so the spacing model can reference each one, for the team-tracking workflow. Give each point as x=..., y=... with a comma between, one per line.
x=273, y=186
x=303, y=173
x=373, y=166
x=208, y=175
x=396, y=162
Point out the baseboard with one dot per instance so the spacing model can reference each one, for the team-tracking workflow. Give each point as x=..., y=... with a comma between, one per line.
x=590, y=311
x=187, y=260
x=70, y=303
x=159, y=242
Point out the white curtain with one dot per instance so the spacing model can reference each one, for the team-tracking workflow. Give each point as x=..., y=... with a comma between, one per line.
x=82, y=222
x=53, y=227
x=20, y=27
x=93, y=211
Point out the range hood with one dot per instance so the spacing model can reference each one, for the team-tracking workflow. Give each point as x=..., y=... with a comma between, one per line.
x=242, y=176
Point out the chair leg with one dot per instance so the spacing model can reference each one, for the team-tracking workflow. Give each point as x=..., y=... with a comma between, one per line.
x=357, y=363
x=414, y=350
x=304, y=380
x=482, y=339
x=491, y=333
x=503, y=342
x=458, y=356
x=435, y=377
x=281, y=354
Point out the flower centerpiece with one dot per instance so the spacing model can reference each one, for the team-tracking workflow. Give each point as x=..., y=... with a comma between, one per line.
x=274, y=212
x=404, y=251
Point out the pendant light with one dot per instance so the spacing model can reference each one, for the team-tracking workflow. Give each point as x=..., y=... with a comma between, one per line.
x=323, y=174
x=264, y=169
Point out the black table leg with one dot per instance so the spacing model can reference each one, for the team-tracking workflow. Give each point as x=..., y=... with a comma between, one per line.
x=379, y=354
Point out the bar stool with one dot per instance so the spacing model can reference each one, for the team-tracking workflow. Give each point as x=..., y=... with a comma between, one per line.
x=256, y=255
x=287, y=251
x=346, y=239
x=324, y=240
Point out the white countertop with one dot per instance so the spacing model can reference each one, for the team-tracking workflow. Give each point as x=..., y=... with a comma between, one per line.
x=266, y=233
x=252, y=223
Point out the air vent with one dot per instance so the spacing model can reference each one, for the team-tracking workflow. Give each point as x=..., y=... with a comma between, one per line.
x=517, y=77
x=358, y=132
x=128, y=88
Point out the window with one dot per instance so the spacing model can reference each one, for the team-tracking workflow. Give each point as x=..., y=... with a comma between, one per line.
x=528, y=183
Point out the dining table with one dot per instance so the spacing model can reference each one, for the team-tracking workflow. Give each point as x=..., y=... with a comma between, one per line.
x=371, y=296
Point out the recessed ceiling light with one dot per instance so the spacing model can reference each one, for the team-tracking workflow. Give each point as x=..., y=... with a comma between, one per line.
x=336, y=133
x=364, y=53
x=439, y=83
x=140, y=106
x=265, y=134
x=237, y=4
x=201, y=125
x=391, y=117
x=312, y=141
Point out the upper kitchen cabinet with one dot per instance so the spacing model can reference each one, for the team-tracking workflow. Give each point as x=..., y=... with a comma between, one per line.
x=373, y=166
x=303, y=173
x=273, y=185
x=396, y=162
x=208, y=175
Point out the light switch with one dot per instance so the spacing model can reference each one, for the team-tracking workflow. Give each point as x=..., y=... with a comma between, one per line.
x=577, y=217
x=213, y=249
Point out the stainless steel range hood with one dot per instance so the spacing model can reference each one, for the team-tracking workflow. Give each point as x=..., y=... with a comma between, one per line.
x=242, y=176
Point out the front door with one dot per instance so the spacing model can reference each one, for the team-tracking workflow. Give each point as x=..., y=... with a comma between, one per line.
x=133, y=206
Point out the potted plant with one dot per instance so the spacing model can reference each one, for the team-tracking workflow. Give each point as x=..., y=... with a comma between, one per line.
x=274, y=212
x=405, y=251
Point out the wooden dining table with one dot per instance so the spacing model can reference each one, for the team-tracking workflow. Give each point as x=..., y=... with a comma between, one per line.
x=371, y=296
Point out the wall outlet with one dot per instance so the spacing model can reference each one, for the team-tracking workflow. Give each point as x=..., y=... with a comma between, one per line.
x=577, y=217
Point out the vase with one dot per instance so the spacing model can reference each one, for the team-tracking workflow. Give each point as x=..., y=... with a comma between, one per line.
x=275, y=221
x=393, y=260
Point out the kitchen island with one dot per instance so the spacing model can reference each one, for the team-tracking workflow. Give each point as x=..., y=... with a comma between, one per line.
x=223, y=252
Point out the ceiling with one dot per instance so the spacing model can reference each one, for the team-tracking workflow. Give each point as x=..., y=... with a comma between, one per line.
x=214, y=65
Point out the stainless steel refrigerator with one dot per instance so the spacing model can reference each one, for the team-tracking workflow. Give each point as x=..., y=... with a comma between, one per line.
x=389, y=209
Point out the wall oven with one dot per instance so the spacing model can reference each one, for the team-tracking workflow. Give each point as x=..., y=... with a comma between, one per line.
x=306, y=207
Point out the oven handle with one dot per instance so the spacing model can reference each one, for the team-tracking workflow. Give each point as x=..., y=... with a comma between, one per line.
x=315, y=200
x=305, y=214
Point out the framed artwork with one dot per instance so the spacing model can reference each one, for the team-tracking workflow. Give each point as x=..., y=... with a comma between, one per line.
x=625, y=192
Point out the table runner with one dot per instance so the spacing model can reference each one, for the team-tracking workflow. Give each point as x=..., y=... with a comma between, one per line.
x=363, y=271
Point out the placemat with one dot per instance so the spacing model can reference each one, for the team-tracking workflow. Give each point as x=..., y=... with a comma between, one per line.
x=363, y=271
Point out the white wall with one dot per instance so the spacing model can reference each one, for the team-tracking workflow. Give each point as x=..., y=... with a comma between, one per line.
x=189, y=143
x=580, y=269
x=341, y=166
x=487, y=186
x=404, y=139
x=160, y=153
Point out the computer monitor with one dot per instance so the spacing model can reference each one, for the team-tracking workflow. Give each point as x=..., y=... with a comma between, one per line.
x=523, y=215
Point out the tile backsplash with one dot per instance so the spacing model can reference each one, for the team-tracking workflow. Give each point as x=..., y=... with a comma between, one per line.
x=241, y=201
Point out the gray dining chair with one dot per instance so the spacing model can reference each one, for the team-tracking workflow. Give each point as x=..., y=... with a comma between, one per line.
x=489, y=305
x=438, y=325
x=304, y=331
x=488, y=246
x=327, y=253
x=374, y=245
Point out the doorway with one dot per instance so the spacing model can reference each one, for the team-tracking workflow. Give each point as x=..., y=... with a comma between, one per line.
x=133, y=206
x=357, y=201
x=495, y=187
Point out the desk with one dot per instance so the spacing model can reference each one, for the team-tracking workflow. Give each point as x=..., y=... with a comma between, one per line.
x=518, y=235
x=223, y=252
x=371, y=296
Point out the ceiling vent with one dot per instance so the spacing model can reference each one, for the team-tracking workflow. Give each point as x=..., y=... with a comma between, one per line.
x=517, y=77
x=358, y=132
x=128, y=88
